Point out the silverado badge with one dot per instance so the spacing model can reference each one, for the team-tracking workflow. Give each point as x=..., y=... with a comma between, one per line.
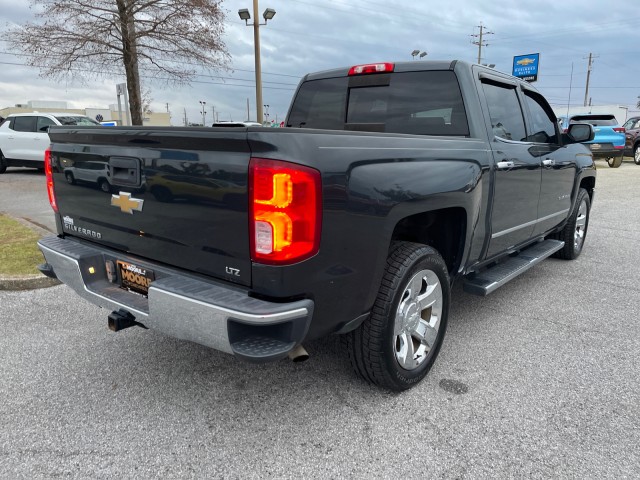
x=125, y=203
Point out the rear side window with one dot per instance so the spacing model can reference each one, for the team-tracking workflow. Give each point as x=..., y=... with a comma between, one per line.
x=504, y=109
x=595, y=120
x=419, y=103
x=24, y=124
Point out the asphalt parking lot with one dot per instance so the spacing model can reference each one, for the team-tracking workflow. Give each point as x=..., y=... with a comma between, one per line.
x=540, y=380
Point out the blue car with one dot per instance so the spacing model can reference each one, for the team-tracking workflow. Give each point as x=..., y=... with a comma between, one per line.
x=609, y=138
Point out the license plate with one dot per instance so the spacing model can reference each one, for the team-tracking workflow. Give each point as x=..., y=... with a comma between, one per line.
x=135, y=278
x=595, y=146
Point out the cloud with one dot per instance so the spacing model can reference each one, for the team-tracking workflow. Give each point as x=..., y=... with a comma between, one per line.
x=312, y=35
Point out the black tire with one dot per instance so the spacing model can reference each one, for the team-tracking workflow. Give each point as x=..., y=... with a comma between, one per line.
x=375, y=347
x=3, y=164
x=636, y=154
x=574, y=232
x=104, y=185
x=70, y=178
x=614, y=162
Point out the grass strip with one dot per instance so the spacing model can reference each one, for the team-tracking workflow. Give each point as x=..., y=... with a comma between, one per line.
x=19, y=253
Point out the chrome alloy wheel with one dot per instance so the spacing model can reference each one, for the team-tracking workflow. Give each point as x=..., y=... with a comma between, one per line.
x=417, y=319
x=581, y=226
x=636, y=155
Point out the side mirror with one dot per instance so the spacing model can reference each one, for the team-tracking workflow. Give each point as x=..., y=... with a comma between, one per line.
x=580, y=132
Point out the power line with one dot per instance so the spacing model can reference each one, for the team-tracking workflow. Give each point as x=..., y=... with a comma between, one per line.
x=159, y=70
x=159, y=78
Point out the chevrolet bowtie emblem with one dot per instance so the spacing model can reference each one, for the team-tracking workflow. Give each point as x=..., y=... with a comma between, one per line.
x=526, y=61
x=125, y=203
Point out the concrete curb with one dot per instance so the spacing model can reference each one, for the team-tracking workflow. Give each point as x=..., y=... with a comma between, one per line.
x=28, y=281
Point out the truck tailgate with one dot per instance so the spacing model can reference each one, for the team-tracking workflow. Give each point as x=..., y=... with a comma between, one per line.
x=176, y=196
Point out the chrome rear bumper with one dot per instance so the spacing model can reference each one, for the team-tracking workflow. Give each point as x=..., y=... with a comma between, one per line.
x=181, y=305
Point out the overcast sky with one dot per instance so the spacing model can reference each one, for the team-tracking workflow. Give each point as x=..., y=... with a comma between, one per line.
x=312, y=35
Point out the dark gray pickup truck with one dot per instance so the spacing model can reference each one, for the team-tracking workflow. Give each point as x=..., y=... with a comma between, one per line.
x=392, y=182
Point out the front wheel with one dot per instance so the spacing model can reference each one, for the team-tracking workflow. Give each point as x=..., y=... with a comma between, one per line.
x=400, y=340
x=636, y=154
x=575, y=231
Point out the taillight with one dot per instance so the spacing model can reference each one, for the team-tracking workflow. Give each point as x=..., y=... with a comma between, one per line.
x=371, y=68
x=619, y=129
x=285, y=202
x=48, y=170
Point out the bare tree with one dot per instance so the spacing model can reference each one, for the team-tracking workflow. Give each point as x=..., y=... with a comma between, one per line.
x=165, y=39
x=146, y=102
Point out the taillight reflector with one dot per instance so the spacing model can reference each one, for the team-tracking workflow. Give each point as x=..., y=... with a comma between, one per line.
x=619, y=129
x=285, y=216
x=371, y=68
x=48, y=170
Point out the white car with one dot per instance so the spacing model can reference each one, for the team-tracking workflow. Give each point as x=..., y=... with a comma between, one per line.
x=95, y=173
x=24, y=137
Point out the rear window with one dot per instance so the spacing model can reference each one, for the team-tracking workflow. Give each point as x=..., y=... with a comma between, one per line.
x=595, y=120
x=419, y=103
x=71, y=120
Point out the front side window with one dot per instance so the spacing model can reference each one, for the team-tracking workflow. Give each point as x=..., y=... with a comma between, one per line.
x=44, y=123
x=24, y=124
x=543, y=125
x=505, y=112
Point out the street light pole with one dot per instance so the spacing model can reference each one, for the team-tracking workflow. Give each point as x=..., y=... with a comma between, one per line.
x=418, y=53
x=203, y=106
x=256, y=44
x=267, y=15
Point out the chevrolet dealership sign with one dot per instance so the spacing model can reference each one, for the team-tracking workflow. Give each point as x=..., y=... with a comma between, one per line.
x=526, y=66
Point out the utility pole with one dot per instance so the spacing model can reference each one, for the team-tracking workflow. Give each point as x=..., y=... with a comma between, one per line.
x=213, y=112
x=586, y=90
x=186, y=122
x=480, y=42
x=248, y=109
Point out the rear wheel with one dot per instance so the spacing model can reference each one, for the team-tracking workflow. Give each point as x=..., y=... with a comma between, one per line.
x=104, y=185
x=636, y=154
x=614, y=162
x=399, y=342
x=3, y=163
x=575, y=231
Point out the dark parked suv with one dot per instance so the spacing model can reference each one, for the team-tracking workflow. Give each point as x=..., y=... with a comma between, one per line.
x=632, y=141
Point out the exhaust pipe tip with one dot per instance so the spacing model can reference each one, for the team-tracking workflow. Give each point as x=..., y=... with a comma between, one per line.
x=299, y=354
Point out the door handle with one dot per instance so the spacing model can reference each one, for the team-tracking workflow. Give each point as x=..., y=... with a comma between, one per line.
x=547, y=162
x=505, y=165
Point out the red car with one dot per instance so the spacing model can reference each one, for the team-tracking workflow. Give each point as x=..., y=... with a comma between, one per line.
x=632, y=142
